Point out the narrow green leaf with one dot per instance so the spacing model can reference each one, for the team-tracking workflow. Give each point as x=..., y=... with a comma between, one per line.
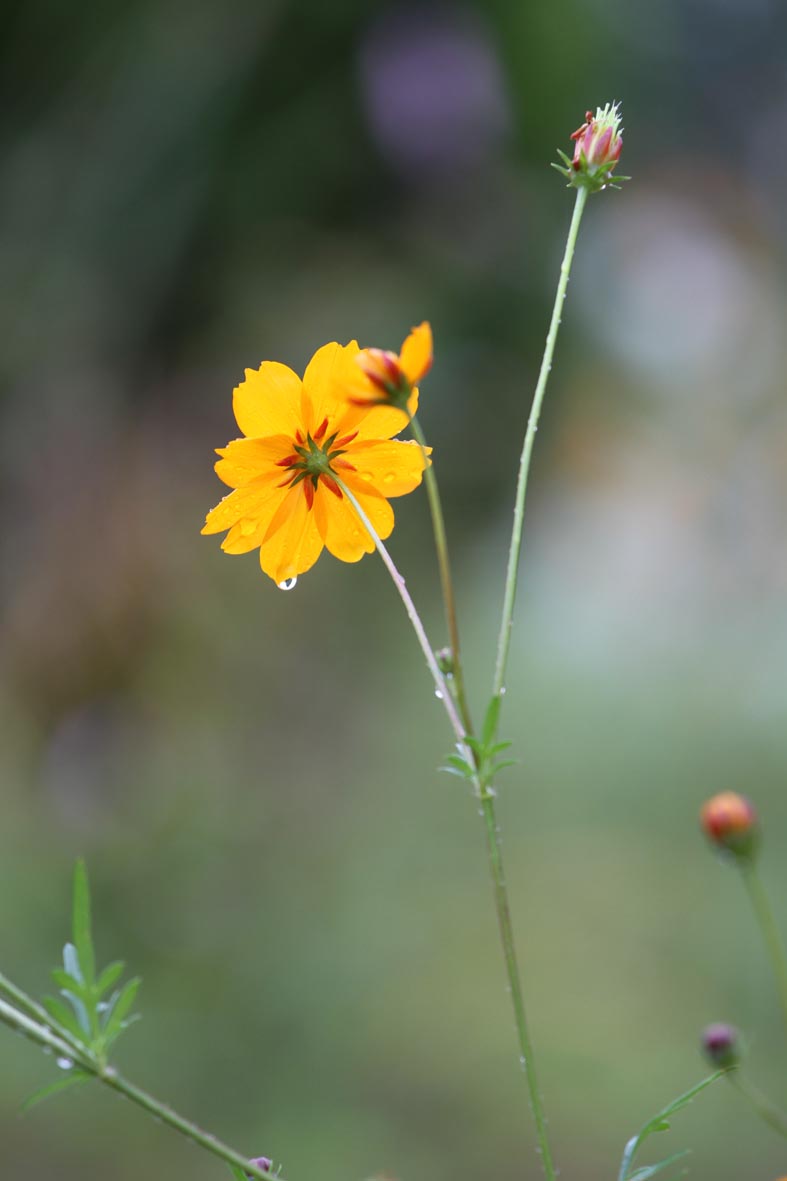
x=454, y=771
x=83, y=940
x=108, y=977
x=62, y=1015
x=502, y=764
x=119, y=1008
x=491, y=717
x=238, y=1173
x=497, y=748
x=68, y=983
x=458, y=762
x=62, y=1084
x=71, y=963
x=660, y=1123
x=651, y=1170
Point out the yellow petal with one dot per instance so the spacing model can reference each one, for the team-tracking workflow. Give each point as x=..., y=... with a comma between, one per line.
x=244, y=460
x=416, y=355
x=256, y=504
x=330, y=371
x=391, y=467
x=293, y=542
x=268, y=401
x=377, y=422
x=345, y=535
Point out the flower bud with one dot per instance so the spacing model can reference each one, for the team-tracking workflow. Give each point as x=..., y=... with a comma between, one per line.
x=721, y=1045
x=262, y=1162
x=597, y=147
x=730, y=822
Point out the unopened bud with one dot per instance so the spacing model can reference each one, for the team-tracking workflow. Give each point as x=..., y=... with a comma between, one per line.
x=721, y=1045
x=262, y=1162
x=730, y=822
x=445, y=661
x=597, y=147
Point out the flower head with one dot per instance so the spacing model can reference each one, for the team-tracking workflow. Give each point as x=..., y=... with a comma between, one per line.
x=721, y=1045
x=597, y=147
x=730, y=822
x=391, y=379
x=302, y=440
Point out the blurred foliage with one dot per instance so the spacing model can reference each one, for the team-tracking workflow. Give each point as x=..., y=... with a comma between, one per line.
x=186, y=190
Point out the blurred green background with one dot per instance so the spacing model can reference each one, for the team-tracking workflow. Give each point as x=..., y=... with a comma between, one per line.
x=188, y=189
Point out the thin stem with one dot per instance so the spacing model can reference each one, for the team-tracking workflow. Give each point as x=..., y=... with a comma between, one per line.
x=443, y=692
x=769, y=929
x=486, y=796
x=39, y=1014
x=766, y=1110
x=446, y=582
x=509, y=595
x=526, y=1054
x=18, y=1020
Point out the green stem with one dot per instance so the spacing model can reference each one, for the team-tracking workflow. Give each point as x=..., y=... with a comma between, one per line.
x=486, y=795
x=39, y=1014
x=509, y=595
x=40, y=1033
x=446, y=582
x=766, y=1110
x=441, y=687
x=526, y=1054
x=769, y=929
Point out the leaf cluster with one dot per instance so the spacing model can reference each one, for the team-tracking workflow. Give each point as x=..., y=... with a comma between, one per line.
x=92, y=1011
x=485, y=752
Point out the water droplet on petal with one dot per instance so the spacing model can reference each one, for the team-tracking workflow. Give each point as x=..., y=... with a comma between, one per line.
x=247, y=527
x=389, y=477
x=366, y=475
x=287, y=584
x=64, y=1063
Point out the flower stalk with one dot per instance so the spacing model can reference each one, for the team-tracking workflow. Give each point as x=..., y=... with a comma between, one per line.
x=512, y=571
x=766, y=921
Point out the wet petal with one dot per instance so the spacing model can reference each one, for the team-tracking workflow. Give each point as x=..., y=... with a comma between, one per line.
x=244, y=460
x=293, y=542
x=268, y=402
x=392, y=467
x=416, y=355
x=255, y=504
x=345, y=534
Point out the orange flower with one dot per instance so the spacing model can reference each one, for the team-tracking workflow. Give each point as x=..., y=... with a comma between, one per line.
x=390, y=379
x=300, y=436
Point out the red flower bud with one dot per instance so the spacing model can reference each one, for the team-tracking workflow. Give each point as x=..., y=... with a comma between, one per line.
x=730, y=822
x=720, y=1044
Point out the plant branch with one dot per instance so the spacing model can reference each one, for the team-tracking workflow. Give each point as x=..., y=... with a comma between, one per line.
x=40, y=1033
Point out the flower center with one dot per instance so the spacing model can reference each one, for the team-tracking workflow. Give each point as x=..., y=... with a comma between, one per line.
x=314, y=458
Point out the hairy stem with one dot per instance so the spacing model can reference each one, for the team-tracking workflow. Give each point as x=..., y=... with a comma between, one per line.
x=509, y=595
x=446, y=581
x=18, y=1019
x=526, y=1055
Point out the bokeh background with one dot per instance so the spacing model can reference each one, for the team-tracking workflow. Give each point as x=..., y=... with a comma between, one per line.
x=188, y=189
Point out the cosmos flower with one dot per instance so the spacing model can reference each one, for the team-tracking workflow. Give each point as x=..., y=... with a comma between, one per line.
x=301, y=438
x=392, y=379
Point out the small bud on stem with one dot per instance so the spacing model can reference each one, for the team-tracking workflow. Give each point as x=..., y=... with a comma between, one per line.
x=730, y=822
